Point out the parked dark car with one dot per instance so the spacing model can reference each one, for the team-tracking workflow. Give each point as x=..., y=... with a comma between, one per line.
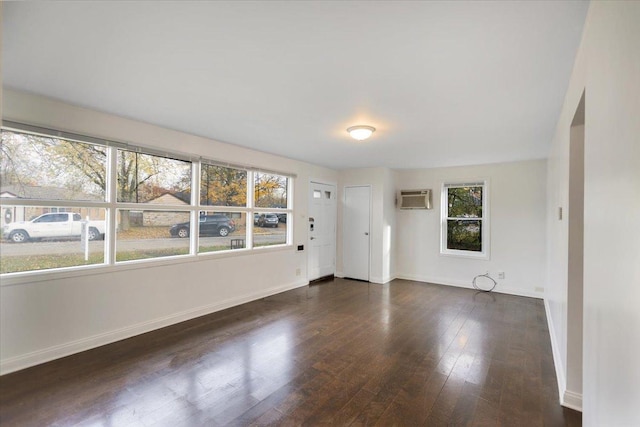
x=210, y=225
x=268, y=220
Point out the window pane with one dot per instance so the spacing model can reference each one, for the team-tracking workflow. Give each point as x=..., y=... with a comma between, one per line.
x=465, y=202
x=221, y=231
x=464, y=235
x=270, y=191
x=147, y=234
x=38, y=167
x=143, y=178
x=269, y=229
x=222, y=186
x=33, y=238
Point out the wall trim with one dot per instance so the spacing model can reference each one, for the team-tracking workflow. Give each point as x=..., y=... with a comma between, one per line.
x=555, y=351
x=459, y=284
x=572, y=400
x=376, y=279
x=38, y=357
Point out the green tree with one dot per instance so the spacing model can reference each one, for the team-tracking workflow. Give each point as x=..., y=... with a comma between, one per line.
x=464, y=232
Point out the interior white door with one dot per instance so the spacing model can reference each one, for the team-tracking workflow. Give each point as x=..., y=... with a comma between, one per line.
x=355, y=232
x=322, y=230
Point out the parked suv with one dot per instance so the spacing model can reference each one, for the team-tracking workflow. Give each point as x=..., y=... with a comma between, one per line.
x=268, y=220
x=210, y=225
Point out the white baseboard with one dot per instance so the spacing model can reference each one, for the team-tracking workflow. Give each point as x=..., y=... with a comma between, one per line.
x=55, y=352
x=565, y=400
x=457, y=283
x=374, y=279
x=572, y=400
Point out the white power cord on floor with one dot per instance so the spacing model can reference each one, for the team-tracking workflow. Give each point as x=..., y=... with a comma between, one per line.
x=475, y=285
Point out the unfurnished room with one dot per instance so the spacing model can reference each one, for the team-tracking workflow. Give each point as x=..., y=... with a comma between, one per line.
x=345, y=213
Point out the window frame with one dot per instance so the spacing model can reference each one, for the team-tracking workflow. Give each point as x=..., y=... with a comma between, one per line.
x=485, y=253
x=111, y=206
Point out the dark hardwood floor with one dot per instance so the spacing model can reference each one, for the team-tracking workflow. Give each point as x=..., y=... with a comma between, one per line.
x=338, y=353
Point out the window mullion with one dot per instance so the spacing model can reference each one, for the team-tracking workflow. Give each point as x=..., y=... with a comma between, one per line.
x=250, y=206
x=195, y=202
x=111, y=190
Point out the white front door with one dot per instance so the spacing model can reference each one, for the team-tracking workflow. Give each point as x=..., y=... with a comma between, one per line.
x=322, y=230
x=355, y=232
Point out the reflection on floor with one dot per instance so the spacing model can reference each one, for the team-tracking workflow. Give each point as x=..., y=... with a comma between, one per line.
x=339, y=353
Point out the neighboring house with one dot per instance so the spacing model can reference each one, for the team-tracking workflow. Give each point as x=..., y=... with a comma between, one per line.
x=25, y=213
x=152, y=218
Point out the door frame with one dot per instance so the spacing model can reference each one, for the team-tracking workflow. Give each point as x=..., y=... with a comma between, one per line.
x=306, y=225
x=344, y=197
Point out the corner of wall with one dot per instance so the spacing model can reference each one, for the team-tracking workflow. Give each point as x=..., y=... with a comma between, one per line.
x=557, y=360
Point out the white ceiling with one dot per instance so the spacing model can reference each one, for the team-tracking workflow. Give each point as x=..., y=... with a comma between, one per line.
x=444, y=83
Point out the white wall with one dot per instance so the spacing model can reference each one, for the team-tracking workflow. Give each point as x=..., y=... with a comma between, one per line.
x=517, y=226
x=51, y=315
x=381, y=180
x=389, y=229
x=607, y=68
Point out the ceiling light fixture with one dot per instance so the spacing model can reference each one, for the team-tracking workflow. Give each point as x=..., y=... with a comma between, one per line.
x=361, y=132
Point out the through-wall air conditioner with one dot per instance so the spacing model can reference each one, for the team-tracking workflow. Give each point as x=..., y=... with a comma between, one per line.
x=415, y=199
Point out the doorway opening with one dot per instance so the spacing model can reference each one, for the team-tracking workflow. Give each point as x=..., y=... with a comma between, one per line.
x=575, y=270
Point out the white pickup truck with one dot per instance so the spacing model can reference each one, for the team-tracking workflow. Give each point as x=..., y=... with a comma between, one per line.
x=52, y=226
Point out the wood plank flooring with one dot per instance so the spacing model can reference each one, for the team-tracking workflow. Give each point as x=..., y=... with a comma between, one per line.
x=339, y=353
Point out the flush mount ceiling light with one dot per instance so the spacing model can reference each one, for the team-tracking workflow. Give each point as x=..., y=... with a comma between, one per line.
x=361, y=132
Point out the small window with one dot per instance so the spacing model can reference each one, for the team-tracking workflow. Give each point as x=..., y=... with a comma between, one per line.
x=270, y=191
x=45, y=242
x=145, y=178
x=222, y=231
x=148, y=234
x=222, y=186
x=44, y=168
x=464, y=219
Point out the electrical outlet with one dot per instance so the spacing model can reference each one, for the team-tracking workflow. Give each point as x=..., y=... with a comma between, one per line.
x=500, y=274
x=297, y=271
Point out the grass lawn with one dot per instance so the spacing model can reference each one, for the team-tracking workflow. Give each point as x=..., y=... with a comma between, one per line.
x=14, y=264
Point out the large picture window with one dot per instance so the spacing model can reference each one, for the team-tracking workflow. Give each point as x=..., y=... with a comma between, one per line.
x=465, y=219
x=68, y=202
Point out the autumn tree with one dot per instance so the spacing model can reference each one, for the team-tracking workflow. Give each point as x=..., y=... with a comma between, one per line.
x=14, y=171
x=270, y=191
x=80, y=170
x=221, y=186
x=37, y=161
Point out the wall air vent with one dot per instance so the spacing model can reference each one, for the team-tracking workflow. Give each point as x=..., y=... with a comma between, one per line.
x=415, y=199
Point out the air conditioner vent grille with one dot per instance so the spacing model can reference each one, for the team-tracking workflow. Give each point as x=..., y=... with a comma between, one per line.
x=415, y=199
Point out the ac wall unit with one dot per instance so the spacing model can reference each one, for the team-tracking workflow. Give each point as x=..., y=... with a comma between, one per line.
x=415, y=199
